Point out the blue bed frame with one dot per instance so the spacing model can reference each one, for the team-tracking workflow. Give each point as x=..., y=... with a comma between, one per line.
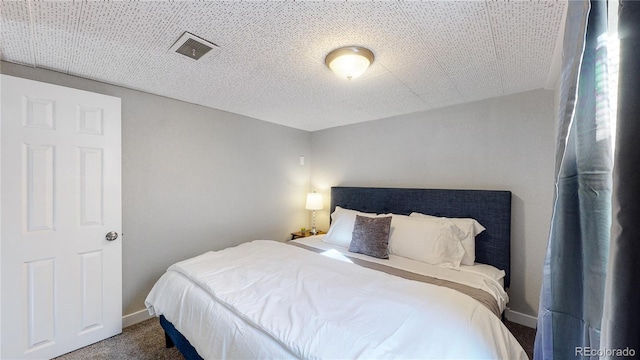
x=173, y=337
x=490, y=207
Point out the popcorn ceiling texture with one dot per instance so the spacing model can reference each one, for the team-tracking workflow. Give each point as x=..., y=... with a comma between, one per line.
x=271, y=60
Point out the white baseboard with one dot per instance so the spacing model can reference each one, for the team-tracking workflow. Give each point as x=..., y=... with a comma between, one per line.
x=522, y=319
x=134, y=318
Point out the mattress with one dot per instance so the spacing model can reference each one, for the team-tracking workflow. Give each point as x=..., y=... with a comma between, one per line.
x=266, y=299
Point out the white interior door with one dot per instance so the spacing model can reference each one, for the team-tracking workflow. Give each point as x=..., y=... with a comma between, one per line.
x=61, y=194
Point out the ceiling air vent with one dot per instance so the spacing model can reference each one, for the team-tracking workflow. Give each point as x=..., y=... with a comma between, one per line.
x=192, y=46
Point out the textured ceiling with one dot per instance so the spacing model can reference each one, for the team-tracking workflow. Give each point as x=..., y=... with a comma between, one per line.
x=270, y=64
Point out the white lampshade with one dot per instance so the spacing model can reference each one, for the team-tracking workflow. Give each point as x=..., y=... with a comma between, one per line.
x=314, y=201
x=349, y=62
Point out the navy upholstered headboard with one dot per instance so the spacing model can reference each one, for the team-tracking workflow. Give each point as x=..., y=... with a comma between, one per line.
x=491, y=208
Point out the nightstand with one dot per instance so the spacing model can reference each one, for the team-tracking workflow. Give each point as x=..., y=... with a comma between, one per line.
x=297, y=235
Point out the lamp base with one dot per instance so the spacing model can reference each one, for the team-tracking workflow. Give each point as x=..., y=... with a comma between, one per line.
x=314, y=231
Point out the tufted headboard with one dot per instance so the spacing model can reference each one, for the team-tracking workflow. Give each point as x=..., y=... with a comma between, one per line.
x=489, y=207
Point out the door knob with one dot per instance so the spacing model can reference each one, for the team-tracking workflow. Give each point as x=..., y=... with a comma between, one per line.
x=112, y=235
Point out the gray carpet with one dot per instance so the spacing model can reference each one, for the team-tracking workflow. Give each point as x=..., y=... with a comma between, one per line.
x=145, y=341
x=525, y=336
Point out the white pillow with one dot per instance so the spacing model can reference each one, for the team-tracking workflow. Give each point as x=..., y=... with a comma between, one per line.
x=341, y=230
x=426, y=240
x=467, y=230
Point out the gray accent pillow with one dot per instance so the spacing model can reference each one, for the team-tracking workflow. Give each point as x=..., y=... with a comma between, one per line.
x=371, y=236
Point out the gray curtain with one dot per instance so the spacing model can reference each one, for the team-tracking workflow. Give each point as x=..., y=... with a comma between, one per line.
x=621, y=319
x=574, y=271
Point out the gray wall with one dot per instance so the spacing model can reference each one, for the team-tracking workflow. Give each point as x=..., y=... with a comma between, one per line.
x=198, y=179
x=195, y=179
x=505, y=143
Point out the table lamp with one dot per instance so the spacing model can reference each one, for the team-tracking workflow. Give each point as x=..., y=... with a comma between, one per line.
x=314, y=202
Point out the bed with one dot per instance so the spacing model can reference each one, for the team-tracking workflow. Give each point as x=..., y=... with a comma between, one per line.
x=266, y=299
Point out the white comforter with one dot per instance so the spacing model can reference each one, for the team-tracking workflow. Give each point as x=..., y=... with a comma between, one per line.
x=290, y=302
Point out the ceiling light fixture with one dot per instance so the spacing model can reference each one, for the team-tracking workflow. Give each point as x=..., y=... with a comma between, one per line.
x=349, y=62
